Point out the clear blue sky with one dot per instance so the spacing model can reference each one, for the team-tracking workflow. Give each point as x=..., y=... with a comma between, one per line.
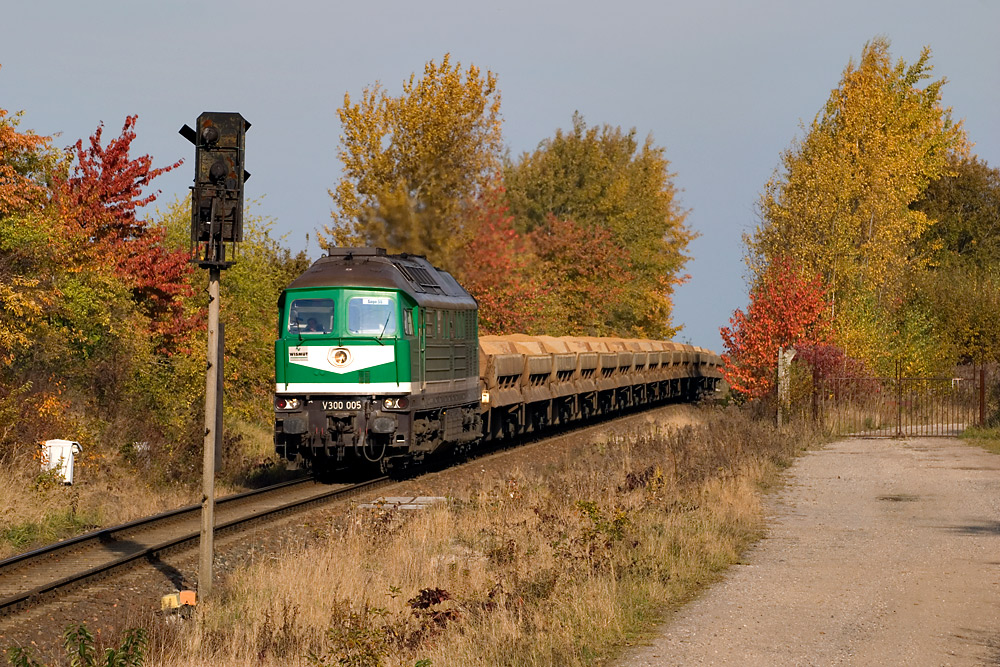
x=723, y=86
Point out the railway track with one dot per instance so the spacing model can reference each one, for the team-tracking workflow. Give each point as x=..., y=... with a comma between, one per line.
x=42, y=574
x=37, y=575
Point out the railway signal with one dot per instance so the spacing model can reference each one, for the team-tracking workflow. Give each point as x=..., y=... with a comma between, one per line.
x=217, y=194
x=216, y=225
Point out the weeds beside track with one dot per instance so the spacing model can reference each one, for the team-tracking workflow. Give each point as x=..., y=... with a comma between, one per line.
x=554, y=564
x=32, y=576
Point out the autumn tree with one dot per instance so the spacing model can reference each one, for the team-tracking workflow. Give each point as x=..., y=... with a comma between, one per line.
x=249, y=295
x=78, y=293
x=560, y=279
x=96, y=302
x=100, y=200
x=497, y=267
x=32, y=251
x=587, y=273
x=614, y=187
x=826, y=361
x=788, y=307
x=963, y=307
x=27, y=161
x=413, y=164
x=841, y=204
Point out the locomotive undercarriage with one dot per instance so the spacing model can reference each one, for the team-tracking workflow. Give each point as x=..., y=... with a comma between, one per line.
x=325, y=440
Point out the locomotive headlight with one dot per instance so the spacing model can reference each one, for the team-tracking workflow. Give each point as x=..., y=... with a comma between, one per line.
x=389, y=404
x=395, y=403
x=286, y=403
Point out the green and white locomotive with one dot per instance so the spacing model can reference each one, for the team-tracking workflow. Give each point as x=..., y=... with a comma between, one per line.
x=376, y=362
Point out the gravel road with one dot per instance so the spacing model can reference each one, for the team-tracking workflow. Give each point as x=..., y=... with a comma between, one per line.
x=880, y=552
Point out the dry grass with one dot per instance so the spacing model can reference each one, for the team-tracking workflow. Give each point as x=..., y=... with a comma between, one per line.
x=553, y=567
x=114, y=487
x=36, y=509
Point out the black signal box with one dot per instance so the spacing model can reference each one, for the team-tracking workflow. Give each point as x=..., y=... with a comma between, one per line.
x=217, y=195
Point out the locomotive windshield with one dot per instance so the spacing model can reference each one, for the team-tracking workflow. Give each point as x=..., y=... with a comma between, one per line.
x=311, y=316
x=374, y=315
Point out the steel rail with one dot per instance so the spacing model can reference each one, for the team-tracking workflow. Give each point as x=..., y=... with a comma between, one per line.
x=105, y=536
x=9, y=564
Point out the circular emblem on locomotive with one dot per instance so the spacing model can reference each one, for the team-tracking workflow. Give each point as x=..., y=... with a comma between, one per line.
x=339, y=356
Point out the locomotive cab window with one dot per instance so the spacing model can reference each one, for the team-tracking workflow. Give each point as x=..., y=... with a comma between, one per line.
x=310, y=316
x=372, y=315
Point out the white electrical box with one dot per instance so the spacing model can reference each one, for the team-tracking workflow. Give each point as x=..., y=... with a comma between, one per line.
x=58, y=456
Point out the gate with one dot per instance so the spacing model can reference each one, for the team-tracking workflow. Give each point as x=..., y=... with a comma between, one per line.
x=902, y=406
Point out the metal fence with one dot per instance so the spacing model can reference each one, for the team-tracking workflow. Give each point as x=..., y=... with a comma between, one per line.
x=904, y=406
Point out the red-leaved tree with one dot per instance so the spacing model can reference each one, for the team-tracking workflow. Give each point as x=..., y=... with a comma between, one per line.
x=100, y=201
x=787, y=308
x=495, y=267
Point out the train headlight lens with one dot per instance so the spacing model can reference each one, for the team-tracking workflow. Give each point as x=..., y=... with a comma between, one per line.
x=286, y=403
x=388, y=403
x=395, y=403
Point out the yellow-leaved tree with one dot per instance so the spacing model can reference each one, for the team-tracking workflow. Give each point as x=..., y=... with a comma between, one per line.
x=842, y=202
x=413, y=164
x=28, y=245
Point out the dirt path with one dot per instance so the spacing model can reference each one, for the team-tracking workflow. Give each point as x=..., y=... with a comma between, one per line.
x=880, y=552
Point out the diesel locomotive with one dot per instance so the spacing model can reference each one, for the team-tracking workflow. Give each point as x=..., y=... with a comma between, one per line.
x=379, y=362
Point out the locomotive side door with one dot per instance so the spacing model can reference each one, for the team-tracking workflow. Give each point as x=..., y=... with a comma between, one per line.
x=421, y=346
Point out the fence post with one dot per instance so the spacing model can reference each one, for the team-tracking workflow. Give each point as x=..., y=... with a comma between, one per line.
x=816, y=389
x=982, y=395
x=899, y=399
x=780, y=385
x=784, y=361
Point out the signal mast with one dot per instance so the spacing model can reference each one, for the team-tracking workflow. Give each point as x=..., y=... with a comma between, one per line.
x=216, y=225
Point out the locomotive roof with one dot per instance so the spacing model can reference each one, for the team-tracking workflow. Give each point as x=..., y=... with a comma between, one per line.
x=374, y=267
